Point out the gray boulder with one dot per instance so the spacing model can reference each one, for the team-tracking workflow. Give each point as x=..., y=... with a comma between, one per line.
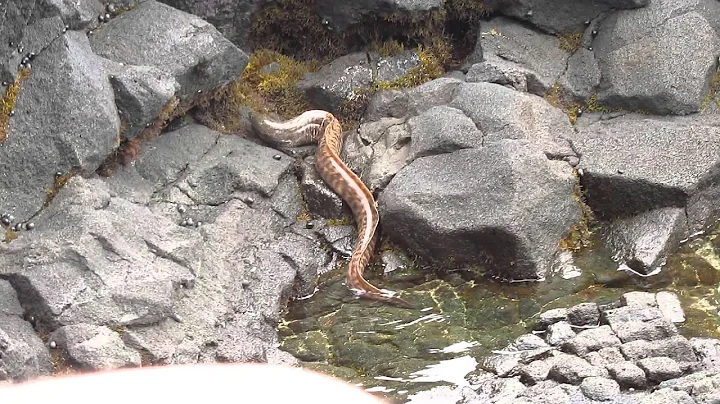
x=23, y=355
x=378, y=150
x=440, y=130
x=502, y=113
x=439, y=211
x=198, y=65
x=634, y=164
x=46, y=136
x=231, y=17
x=434, y=93
x=662, y=66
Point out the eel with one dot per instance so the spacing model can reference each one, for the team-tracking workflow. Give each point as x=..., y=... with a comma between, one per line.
x=321, y=127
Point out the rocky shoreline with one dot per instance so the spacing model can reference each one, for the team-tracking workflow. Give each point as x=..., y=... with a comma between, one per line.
x=136, y=234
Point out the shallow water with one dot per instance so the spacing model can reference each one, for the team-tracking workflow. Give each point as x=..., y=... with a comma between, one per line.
x=396, y=352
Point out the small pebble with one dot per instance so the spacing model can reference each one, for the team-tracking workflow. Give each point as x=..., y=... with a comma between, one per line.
x=190, y=222
x=594, y=33
x=181, y=208
x=277, y=157
x=249, y=200
x=587, y=23
x=183, y=222
x=58, y=174
x=309, y=225
x=110, y=8
x=5, y=220
x=198, y=224
x=30, y=226
x=245, y=283
x=619, y=171
x=53, y=344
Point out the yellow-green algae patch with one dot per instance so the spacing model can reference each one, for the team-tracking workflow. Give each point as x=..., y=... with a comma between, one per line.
x=7, y=103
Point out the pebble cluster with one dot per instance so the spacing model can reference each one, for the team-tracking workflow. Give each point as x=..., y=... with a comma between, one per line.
x=603, y=351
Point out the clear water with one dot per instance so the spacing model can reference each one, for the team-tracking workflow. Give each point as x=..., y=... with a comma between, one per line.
x=396, y=352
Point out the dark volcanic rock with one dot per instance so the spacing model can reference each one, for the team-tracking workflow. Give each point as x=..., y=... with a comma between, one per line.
x=341, y=14
x=320, y=199
x=536, y=54
x=562, y=16
x=502, y=113
x=76, y=15
x=511, y=213
x=656, y=59
x=336, y=82
x=46, y=136
x=183, y=45
x=584, y=314
x=140, y=94
x=635, y=164
x=233, y=18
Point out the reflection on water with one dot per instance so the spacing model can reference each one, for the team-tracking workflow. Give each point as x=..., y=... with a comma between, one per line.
x=397, y=353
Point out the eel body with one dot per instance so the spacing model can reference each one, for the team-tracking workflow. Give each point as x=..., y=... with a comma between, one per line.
x=321, y=127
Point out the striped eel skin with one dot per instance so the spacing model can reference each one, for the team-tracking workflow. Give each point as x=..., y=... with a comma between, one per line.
x=321, y=127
